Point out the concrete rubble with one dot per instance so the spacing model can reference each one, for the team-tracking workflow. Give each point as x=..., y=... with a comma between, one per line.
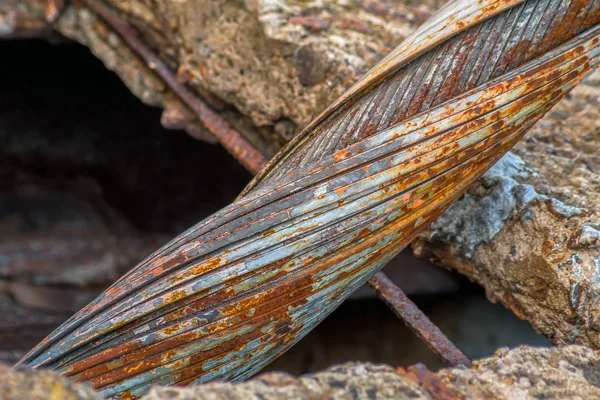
x=528, y=231
x=16, y=384
x=523, y=373
x=570, y=372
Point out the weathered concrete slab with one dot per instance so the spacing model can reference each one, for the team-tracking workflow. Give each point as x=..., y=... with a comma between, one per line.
x=528, y=231
x=523, y=373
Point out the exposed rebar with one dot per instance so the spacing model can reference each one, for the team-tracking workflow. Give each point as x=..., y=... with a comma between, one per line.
x=418, y=322
x=232, y=140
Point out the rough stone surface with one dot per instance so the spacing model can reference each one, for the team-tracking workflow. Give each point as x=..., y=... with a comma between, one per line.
x=528, y=231
x=361, y=381
x=21, y=384
x=523, y=373
x=529, y=373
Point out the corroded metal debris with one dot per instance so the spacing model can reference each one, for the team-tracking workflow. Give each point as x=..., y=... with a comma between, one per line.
x=233, y=292
x=418, y=322
x=528, y=230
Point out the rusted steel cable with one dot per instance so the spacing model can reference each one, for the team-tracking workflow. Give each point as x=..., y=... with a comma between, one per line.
x=253, y=160
x=414, y=318
x=232, y=140
x=232, y=293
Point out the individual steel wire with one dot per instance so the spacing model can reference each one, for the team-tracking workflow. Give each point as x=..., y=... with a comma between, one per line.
x=235, y=291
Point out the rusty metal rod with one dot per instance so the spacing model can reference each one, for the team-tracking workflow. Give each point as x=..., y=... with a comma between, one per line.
x=232, y=140
x=418, y=322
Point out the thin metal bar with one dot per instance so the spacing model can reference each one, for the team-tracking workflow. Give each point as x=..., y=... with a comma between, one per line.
x=231, y=139
x=418, y=322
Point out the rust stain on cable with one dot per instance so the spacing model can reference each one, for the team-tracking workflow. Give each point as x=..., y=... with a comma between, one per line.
x=232, y=140
x=232, y=293
x=53, y=9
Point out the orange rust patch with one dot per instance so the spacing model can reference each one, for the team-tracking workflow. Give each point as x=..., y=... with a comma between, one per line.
x=177, y=295
x=171, y=330
x=126, y=395
x=206, y=266
x=134, y=368
x=340, y=155
x=363, y=233
x=177, y=279
x=341, y=190
x=269, y=232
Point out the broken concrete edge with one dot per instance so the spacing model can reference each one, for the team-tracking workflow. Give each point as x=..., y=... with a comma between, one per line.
x=529, y=230
x=40, y=384
x=523, y=372
x=267, y=67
